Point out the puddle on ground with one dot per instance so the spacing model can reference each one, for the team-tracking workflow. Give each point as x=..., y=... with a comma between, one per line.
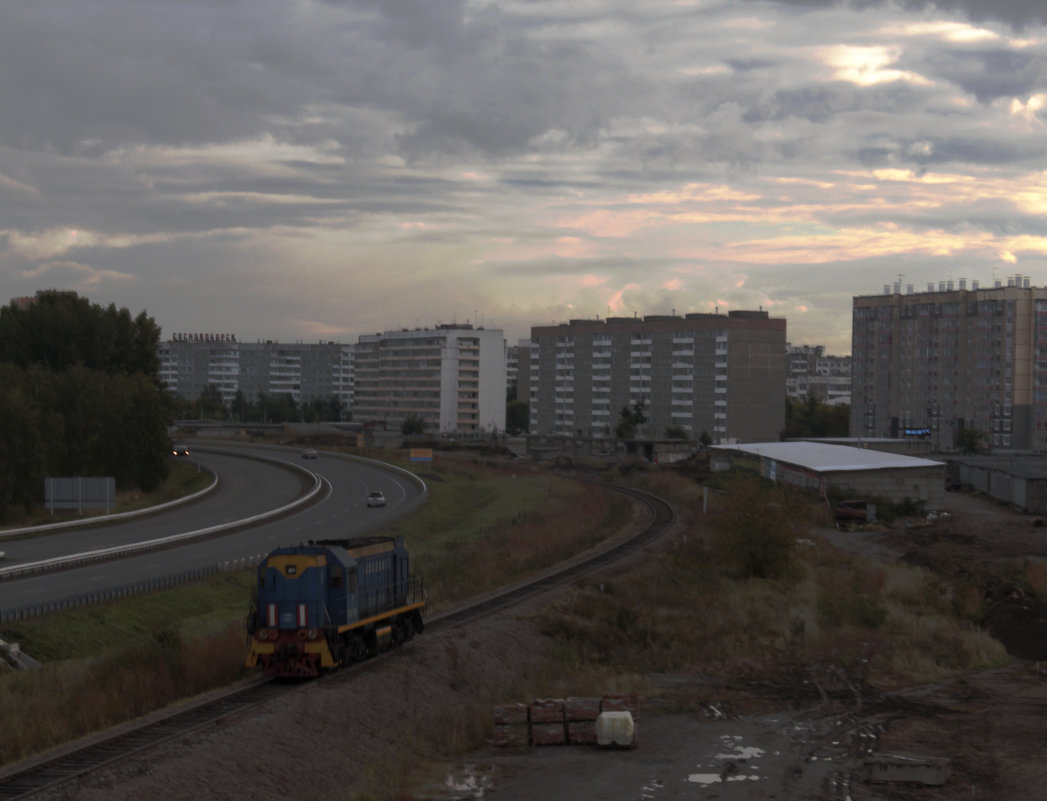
x=734, y=761
x=463, y=782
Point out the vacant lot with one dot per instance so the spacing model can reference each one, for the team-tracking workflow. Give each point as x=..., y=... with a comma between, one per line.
x=734, y=729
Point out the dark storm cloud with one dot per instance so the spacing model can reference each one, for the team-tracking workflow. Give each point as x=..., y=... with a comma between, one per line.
x=1018, y=13
x=74, y=82
x=945, y=151
x=163, y=74
x=825, y=102
x=990, y=74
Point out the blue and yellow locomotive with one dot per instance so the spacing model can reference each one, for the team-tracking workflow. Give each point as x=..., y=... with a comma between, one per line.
x=332, y=602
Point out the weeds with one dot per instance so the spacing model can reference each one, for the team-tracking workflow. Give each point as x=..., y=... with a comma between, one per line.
x=710, y=605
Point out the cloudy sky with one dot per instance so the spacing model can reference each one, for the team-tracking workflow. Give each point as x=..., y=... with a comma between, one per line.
x=303, y=170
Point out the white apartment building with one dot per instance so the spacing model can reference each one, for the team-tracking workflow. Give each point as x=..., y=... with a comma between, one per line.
x=453, y=377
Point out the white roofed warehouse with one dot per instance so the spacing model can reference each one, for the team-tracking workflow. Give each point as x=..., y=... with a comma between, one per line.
x=859, y=472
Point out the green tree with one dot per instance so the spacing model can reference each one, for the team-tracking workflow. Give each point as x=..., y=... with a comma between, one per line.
x=278, y=408
x=630, y=420
x=811, y=417
x=412, y=426
x=22, y=432
x=84, y=381
x=705, y=439
x=59, y=329
x=517, y=417
x=241, y=409
x=972, y=440
x=756, y=525
x=211, y=405
x=676, y=432
x=322, y=409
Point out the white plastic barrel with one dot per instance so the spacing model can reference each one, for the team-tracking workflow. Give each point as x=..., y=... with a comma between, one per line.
x=615, y=729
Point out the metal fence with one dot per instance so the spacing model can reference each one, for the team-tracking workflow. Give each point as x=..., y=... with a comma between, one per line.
x=71, y=602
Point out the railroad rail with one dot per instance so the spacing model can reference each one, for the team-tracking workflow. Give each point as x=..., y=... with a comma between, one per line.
x=34, y=776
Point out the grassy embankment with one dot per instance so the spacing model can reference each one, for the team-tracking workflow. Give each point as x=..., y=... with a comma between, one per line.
x=746, y=592
x=185, y=479
x=484, y=526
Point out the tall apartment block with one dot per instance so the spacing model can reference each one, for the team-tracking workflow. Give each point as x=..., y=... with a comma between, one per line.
x=934, y=364
x=723, y=374
x=451, y=376
x=812, y=373
x=191, y=362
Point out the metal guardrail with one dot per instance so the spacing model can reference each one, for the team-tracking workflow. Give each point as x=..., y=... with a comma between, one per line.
x=146, y=546
x=11, y=533
x=82, y=600
x=174, y=579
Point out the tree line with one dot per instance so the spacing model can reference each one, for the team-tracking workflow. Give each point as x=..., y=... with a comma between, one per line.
x=266, y=408
x=80, y=396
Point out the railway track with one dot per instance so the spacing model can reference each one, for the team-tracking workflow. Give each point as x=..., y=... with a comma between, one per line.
x=36, y=776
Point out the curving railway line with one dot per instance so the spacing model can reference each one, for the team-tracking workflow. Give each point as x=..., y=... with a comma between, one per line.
x=52, y=770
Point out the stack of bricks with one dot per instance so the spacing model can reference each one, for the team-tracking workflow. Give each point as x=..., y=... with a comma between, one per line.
x=555, y=721
x=547, y=722
x=581, y=715
x=512, y=726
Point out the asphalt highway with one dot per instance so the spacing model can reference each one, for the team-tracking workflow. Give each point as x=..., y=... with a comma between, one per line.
x=252, y=480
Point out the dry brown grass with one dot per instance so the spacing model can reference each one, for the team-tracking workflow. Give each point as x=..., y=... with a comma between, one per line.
x=574, y=517
x=690, y=612
x=61, y=702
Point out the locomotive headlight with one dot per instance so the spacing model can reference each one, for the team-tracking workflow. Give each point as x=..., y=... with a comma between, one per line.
x=312, y=634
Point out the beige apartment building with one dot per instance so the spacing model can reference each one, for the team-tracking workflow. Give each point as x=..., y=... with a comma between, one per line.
x=936, y=365
x=723, y=374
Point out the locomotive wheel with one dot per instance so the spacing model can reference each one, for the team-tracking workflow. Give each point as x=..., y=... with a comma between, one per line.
x=356, y=649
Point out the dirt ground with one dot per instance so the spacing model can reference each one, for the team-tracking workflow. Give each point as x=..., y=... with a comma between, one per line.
x=788, y=740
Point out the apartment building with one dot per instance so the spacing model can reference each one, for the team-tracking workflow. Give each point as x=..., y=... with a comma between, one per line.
x=812, y=373
x=723, y=374
x=940, y=363
x=190, y=362
x=453, y=377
